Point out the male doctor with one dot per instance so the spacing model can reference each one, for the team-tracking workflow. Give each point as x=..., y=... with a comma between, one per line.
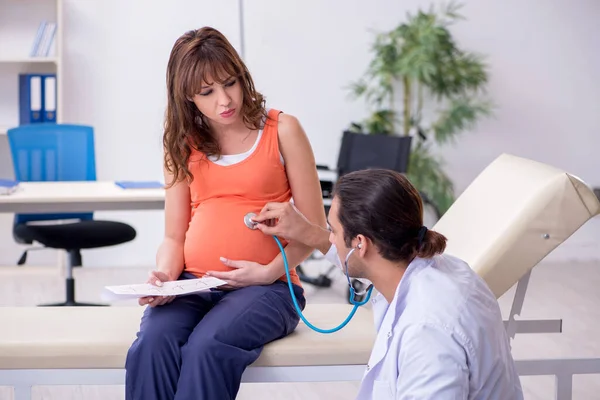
x=440, y=330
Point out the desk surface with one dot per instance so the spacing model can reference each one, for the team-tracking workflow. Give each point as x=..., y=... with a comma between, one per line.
x=44, y=197
x=50, y=197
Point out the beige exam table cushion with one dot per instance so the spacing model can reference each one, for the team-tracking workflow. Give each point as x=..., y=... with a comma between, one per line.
x=99, y=337
x=512, y=216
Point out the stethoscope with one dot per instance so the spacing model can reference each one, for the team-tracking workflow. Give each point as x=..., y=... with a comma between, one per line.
x=252, y=225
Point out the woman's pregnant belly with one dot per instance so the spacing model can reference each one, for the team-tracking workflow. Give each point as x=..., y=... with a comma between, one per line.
x=217, y=230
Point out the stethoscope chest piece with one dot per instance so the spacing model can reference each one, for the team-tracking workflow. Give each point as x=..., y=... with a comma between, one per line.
x=248, y=220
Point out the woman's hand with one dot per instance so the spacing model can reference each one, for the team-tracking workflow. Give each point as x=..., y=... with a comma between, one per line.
x=246, y=273
x=156, y=278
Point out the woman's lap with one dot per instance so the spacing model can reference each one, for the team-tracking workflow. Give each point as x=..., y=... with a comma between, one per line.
x=247, y=318
x=207, y=337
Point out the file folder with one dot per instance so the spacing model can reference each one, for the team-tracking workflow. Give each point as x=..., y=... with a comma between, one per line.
x=8, y=186
x=30, y=98
x=49, y=103
x=38, y=39
x=140, y=184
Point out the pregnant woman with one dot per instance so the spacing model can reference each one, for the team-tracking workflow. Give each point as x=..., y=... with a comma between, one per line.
x=226, y=155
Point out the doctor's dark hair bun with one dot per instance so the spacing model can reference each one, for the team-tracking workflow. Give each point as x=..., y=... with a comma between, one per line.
x=385, y=207
x=433, y=243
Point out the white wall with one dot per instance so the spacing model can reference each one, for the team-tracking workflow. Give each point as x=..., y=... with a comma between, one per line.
x=544, y=60
x=545, y=79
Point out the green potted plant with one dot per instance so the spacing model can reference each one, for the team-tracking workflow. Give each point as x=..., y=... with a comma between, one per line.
x=424, y=90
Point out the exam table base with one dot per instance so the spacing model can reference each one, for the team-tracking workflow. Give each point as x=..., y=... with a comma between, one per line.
x=24, y=379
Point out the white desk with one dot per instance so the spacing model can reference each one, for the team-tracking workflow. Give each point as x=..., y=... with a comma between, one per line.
x=50, y=197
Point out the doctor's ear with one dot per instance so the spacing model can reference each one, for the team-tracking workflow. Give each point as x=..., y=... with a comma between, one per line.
x=362, y=242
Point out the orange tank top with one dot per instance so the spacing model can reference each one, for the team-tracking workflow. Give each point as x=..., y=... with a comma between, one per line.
x=222, y=195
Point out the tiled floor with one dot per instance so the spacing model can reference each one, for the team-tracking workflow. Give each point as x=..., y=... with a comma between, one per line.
x=556, y=290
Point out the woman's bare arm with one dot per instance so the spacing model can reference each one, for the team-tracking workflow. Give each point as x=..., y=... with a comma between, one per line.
x=306, y=190
x=169, y=257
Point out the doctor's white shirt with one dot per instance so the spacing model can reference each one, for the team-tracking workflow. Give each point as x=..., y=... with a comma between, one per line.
x=441, y=337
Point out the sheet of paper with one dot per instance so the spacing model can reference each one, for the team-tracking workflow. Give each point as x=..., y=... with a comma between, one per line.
x=173, y=288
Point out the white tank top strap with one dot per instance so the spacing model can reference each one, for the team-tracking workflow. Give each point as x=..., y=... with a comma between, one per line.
x=231, y=159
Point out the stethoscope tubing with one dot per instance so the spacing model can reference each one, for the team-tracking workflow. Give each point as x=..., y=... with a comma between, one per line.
x=299, y=311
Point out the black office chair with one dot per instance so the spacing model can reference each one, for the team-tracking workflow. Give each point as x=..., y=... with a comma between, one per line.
x=57, y=152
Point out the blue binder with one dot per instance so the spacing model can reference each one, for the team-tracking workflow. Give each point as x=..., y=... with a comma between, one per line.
x=49, y=103
x=139, y=184
x=7, y=186
x=31, y=98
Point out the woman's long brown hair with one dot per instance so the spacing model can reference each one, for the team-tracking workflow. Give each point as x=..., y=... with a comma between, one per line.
x=196, y=56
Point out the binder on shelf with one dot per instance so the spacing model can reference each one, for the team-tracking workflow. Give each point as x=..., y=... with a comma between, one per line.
x=38, y=39
x=47, y=40
x=44, y=39
x=30, y=98
x=49, y=103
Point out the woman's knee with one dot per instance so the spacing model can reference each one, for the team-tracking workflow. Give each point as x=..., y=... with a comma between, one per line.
x=206, y=350
x=155, y=339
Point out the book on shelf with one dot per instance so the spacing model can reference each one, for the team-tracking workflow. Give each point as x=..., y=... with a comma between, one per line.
x=44, y=39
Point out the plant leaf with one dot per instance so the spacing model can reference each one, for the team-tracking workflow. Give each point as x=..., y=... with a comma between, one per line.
x=426, y=172
x=462, y=114
x=381, y=122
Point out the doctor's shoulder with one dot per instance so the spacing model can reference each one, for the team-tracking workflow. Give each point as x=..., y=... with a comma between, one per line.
x=447, y=291
x=470, y=282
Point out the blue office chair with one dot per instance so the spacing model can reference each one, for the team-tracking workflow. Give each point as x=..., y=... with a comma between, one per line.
x=61, y=152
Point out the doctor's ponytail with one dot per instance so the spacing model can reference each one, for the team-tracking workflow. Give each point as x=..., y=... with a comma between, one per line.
x=433, y=243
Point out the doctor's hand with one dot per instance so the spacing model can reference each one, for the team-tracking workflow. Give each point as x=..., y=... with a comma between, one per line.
x=284, y=220
x=156, y=278
x=245, y=273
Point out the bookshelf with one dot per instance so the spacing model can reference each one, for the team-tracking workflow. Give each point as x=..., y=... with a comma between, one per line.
x=34, y=60
x=19, y=23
